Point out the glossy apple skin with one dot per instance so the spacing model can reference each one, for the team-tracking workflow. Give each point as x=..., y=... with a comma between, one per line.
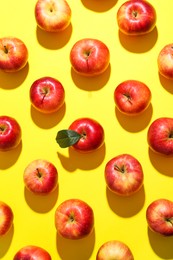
x=124, y=175
x=165, y=61
x=40, y=177
x=136, y=17
x=74, y=219
x=89, y=57
x=159, y=215
x=32, y=253
x=132, y=97
x=6, y=218
x=92, y=132
x=52, y=15
x=160, y=136
x=47, y=95
x=114, y=250
x=10, y=133
x=13, y=54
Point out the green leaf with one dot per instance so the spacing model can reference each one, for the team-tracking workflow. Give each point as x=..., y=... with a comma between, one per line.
x=66, y=138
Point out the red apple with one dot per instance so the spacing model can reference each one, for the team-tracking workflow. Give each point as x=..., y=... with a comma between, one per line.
x=40, y=177
x=132, y=97
x=13, y=54
x=74, y=219
x=114, y=250
x=10, y=133
x=165, y=61
x=136, y=17
x=84, y=135
x=124, y=175
x=52, y=15
x=89, y=57
x=160, y=136
x=32, y=253
x=159, y=215
x=6, y=218
x=47, y=95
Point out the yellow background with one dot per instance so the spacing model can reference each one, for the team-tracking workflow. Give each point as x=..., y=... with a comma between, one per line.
x=82, y=176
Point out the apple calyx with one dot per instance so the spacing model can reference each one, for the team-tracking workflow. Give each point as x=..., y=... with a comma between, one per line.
x=66, y=138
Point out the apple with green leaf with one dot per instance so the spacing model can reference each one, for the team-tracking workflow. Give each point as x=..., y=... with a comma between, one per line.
x=84, y=135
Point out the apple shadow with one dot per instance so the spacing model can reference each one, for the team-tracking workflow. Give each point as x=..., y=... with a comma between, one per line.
x=135, y=123
x=91, y=83
x=126, y=206
x=166, y=83
x=9, y=158
x=96, y=6
x=47, y=121
x=41, y=203
x=163, y=164
x=5, y=242
x=77, y=249
x=161, y=245
x=85, y=161
x=11, y=80
x=140, y=43
x=53, y=40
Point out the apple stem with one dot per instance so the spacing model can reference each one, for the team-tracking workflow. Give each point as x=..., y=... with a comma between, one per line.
x=5, y=48
x=87, y=53
x=117, y=168
x=38, y=173
x=45, y=92
x=171, y=135
x=170, y=220
x=2, y=128
x=83, y=135
x=135, y=13
x=128, y=97
x=71, y=218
